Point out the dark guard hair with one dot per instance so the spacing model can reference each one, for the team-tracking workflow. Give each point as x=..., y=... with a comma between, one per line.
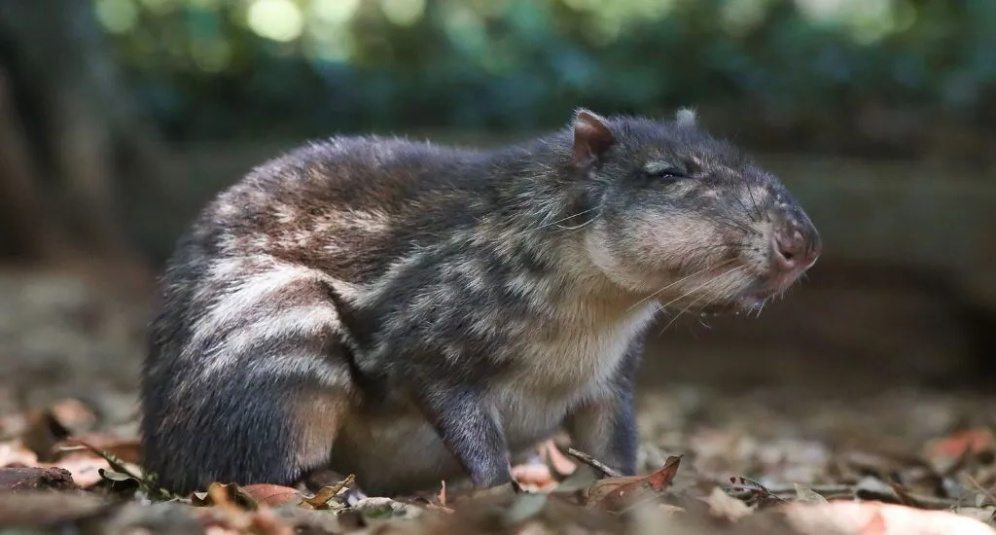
x=408, y=312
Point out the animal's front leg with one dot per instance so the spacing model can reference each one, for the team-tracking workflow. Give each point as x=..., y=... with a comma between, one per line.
x=605, y=427
x=606, y=430
x=469, y=431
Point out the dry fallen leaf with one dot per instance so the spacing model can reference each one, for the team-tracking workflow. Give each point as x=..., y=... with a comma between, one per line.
x=618, y=493
x=272, y=495
x=47, y=427
x=230, y=516
x=321, y=498
x=73, y=415
x=874, y=518
x=808, y=495
x=84, y=466
x=127, y=449
x=971, y=441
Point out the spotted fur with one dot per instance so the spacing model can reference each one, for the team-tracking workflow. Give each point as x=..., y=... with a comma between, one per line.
x=409, y=312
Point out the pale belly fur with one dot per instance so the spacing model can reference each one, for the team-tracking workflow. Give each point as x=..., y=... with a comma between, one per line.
x=396, y=447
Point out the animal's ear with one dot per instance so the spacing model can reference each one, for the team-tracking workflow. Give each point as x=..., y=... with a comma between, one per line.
x=685, y=117
x=591, y=138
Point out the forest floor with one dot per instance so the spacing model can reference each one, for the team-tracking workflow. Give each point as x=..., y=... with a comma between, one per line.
x=772, y=458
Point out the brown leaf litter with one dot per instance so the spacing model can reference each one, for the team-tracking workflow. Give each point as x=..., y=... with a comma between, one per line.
x=740, y=466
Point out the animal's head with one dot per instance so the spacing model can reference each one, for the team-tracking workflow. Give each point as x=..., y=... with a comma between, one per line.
x=684, y=217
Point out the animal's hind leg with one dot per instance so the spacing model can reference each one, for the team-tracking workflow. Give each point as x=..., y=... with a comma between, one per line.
x=257, y=395
x=246, y=430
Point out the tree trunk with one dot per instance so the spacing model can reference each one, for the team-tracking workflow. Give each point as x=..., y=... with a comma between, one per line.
x=88, y=146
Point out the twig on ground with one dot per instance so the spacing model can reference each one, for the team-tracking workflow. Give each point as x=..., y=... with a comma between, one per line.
x=906, y=498
x=599, y=466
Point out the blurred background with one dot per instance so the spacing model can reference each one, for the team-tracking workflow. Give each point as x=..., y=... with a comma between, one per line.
x=119, y=119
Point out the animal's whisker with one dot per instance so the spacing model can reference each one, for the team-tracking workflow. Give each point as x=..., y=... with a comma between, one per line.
x=729, y=221
x=575, y=227
x=697, y=299
x=717, y=246
x=679, y=281
x=752, y=199
x=700, y=286
x=747, y=211
x=681, y=312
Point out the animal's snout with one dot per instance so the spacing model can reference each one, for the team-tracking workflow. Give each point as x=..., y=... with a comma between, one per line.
x=795, y=245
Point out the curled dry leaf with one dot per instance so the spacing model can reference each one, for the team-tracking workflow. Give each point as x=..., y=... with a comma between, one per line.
x=47, y=427
x=73, y=415
x=42, y=433
x=321, y=498
x=619, y=493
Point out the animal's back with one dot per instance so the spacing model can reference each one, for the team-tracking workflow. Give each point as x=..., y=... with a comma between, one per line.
x=247, y=346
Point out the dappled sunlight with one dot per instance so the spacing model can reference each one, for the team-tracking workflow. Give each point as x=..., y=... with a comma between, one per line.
x=280, y=20
x=522, y=63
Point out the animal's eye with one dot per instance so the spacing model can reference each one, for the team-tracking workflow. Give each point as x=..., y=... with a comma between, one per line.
x=663, y=170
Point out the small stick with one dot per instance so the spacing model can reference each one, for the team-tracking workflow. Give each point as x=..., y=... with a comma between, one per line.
x=599, y=466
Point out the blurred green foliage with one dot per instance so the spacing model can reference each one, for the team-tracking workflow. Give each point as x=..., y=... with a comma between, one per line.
x=211, y=68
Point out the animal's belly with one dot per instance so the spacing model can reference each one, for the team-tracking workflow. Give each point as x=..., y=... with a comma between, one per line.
x=393, y=453
x=529, y=417
x=395, y=449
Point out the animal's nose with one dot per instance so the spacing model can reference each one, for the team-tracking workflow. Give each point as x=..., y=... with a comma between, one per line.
x=795, y=246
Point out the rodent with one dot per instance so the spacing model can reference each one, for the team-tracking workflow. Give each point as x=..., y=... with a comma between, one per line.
x=410, y=312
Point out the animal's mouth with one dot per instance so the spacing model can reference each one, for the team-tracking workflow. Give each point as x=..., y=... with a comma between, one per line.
x=748, y=302
x=752, y=299
x=764, y=284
